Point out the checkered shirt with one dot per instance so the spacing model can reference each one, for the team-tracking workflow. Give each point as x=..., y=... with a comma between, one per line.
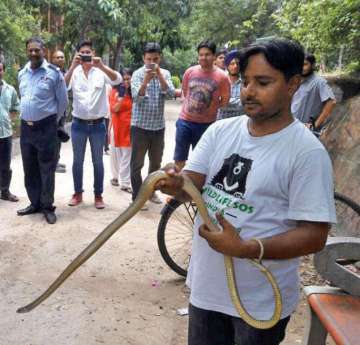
x=148, y=110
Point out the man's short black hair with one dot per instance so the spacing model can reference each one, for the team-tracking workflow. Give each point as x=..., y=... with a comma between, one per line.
x=36, y=40
x=152, y=47
x=284, y=55
x=84, y=43
x=311, y=58
x=222, y=51
x=207, y=44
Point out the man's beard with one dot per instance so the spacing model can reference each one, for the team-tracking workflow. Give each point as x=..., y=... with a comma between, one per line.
x=36, y=63
x=308, y=73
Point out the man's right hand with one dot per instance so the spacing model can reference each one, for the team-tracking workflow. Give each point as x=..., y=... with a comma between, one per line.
x=76, y=61
x=173, y=184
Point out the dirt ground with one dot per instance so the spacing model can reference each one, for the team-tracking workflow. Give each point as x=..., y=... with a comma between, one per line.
x=125, y=294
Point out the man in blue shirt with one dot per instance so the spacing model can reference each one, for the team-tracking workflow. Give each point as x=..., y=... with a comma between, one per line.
x=43, y=102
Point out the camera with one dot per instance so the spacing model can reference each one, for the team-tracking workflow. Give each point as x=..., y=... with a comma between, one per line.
x=86, y=58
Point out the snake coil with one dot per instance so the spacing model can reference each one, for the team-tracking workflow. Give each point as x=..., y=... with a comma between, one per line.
x=145, y=192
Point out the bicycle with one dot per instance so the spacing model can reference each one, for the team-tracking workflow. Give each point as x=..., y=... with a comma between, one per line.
x=175, y=229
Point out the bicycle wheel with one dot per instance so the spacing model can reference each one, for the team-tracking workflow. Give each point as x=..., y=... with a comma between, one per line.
x=175, y=233
x=348, y=217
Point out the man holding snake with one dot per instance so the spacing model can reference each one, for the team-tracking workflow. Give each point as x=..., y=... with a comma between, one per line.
x=267, y=181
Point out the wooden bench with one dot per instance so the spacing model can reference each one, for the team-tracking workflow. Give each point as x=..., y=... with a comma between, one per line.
x=335, y=311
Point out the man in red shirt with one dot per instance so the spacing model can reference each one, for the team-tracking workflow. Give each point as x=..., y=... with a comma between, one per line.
x=205, y=88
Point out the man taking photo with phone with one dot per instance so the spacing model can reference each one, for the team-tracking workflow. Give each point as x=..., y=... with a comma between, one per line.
x=87, y=77
x=150, y=85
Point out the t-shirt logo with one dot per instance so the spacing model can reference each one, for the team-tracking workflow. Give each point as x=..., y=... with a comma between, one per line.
x=200, y=94
x=232, y=176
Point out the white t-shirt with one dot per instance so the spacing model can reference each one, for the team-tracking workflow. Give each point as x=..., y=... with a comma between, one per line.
x=263, y=185
x=90, y=99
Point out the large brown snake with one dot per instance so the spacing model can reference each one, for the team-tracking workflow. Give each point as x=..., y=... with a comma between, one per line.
x=146, y=190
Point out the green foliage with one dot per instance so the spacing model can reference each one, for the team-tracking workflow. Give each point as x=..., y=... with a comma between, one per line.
x=179, y=60
x=176, y=81
x=323, y=26
x=16, y=25
x=119, y=28
x=11, y=75
x=231, y=22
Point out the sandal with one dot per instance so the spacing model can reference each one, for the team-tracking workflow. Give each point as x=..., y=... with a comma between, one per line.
x=126, y=189
x=114, y=182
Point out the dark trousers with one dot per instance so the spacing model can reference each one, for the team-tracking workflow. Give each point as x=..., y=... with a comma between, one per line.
x=143, y=141
x=58, y=151
x=208, y=327
x=61, y=123
x=5, y=159
x=39, y=150
x=106, y=143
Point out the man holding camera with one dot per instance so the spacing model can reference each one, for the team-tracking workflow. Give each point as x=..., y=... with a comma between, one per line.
x=88, y=77
x=150, y=85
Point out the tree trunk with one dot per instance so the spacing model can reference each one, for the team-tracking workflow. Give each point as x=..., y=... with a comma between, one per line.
x=115, y=54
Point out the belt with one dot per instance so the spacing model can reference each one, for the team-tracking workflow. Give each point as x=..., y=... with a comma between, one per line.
x=47, y=119
x=90, y=122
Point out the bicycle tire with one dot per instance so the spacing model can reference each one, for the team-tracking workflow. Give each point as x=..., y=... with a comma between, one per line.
x=174, y=235
x=348, y=216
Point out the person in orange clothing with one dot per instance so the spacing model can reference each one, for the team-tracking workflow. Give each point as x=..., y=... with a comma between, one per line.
x=120, y=151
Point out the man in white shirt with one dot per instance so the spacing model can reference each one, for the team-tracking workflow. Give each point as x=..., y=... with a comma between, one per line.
x=88, y=77
x=267, y=183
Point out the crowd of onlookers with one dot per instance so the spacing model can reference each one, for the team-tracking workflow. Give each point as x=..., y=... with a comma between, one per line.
x=265, y=178
x=123, y=114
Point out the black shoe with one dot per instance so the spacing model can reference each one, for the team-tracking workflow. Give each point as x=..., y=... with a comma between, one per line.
x=61, y=165
x=28, y=210
x=6, y=195
x=50, y=216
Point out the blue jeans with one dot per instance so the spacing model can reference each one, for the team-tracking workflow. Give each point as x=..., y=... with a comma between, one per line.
x=188, y=134
x=208, y=327
x=80, y=132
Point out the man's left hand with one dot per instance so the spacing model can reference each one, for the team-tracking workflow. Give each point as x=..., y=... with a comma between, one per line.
x=227, y=242
x=97, y=62
x=157, y=70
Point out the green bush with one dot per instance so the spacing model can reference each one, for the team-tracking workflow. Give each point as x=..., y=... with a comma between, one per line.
x=11, y=76
x=176, y=81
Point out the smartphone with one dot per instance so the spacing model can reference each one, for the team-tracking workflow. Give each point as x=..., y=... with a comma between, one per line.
x=121, y=90
x=150, y=66
x=86, y=58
